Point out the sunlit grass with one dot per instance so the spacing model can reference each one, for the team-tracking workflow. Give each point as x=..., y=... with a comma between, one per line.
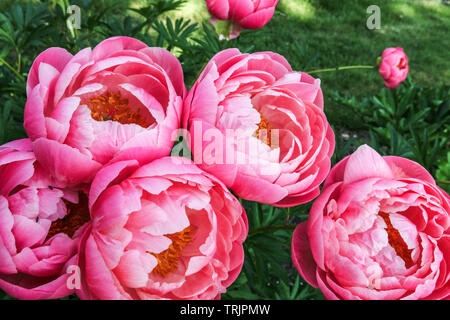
x=194, y=10
x=403, y=9
x=300, y=9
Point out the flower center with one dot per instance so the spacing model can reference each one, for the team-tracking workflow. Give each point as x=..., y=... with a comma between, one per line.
x=264, y=131
x=168, y=259
x=110, y=106
x=396, y=241
x=77, y=215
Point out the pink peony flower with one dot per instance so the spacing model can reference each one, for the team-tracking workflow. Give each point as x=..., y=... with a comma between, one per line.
x=248, y=14
x=260, y=127
x=121, y=100
x=40, y=225
x=379, y=230
x=160, y=231
x=394, y=67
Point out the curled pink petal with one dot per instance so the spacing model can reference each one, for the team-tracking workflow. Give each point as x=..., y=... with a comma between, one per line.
x=248, y=14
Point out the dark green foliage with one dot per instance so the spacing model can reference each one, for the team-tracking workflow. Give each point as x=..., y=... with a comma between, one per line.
x=443, y=172
x=268, y=272
x=409, y=121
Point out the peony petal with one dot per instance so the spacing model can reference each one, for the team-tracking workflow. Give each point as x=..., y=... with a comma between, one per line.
x=366, y=163
x=66, y=163
x=302, y=256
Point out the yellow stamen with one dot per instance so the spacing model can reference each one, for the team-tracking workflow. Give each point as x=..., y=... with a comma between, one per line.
x=110, y=106
x=265, y=136
x=168, y=259
x=77, y=215
x=396, y=241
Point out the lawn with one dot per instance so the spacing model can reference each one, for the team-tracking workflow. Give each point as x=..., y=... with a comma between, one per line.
x=314, y=34
x=336, y=31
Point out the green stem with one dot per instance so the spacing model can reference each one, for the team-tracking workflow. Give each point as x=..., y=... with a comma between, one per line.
x=288, y=216
x=19, y=62
x=443, y=181
x=12, y=69
x=340, y=69
x=394, y=97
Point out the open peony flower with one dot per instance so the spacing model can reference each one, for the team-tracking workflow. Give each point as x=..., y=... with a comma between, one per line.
x=260, y=127
x=164, y=230
x=121, y=100
x=394, y=67
x=379, y=230
x=40, y=225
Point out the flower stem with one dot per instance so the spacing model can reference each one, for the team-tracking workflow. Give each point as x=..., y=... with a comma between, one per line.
x=21, y=78
x=19, y=62
x=340, y=69
x=443, y=182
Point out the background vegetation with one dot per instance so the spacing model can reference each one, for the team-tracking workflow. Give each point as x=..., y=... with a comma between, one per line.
x=412, y=121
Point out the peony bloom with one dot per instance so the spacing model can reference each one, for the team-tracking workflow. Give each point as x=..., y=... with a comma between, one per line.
x=260, y=127
x=40, y=225
x=247, y=14
x=164, y=230
x=394, y=67
x=121, y=100
x=379, y=230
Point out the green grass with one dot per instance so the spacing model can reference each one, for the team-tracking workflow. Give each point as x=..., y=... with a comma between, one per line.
x=336, y=31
